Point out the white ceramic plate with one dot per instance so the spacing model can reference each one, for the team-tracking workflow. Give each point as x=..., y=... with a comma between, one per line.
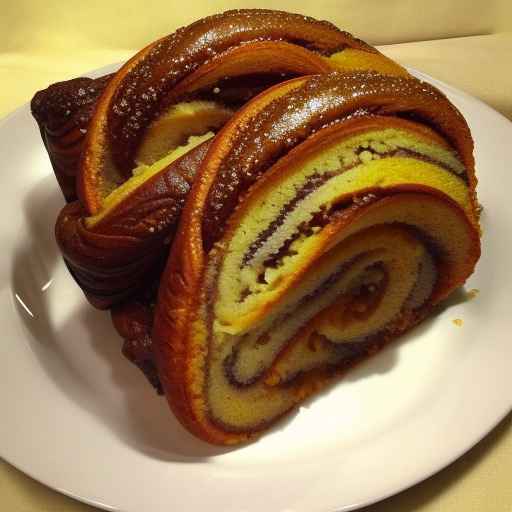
x=81, y=419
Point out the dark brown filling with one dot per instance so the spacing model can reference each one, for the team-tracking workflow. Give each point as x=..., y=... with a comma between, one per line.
x=436, y=252
x=312, y=183
x=323, y=216
x=365, y=299
x=235, y=91
x=319, y=219
x=362, y=295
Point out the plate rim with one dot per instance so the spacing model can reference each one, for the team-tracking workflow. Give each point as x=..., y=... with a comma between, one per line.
x=447, y=461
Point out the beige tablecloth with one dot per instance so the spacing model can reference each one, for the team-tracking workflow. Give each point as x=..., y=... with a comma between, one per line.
x=467, y=44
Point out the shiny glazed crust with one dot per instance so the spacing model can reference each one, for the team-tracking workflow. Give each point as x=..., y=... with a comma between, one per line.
x=246, y=51
x=63, y=112
x=153, y=79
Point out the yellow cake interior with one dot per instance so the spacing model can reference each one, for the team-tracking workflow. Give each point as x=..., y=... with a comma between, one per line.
x=292, y=284
x=183, y=127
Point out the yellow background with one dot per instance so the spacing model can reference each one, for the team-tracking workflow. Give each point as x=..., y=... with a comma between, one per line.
x=467, y=43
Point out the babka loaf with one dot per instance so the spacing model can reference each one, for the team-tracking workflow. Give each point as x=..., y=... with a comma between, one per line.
x=317, y=200
x=328, y=217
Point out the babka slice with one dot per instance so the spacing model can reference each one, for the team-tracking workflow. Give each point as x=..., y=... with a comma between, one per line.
x=328, y=217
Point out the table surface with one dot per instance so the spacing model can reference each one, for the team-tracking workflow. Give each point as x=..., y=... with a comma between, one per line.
x=480, y=480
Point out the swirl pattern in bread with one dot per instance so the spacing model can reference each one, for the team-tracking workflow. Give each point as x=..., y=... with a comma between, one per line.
x=328, y=217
